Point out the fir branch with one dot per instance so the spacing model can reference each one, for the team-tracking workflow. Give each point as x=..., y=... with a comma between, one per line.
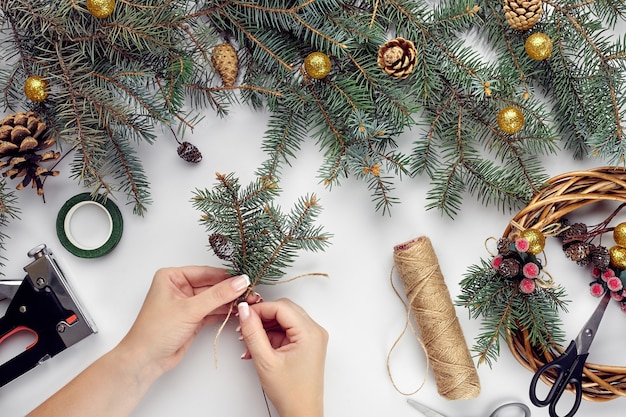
x=503, y=308
x=263, y=240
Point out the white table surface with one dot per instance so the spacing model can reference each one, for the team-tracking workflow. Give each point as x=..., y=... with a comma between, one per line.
x=355, y=304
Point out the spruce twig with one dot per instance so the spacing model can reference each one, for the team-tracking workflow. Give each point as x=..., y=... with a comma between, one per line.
x=253, y=235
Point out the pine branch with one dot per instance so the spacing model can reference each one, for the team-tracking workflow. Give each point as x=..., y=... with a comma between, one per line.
x=251, y=233
x=503, y=308
x=9, y=211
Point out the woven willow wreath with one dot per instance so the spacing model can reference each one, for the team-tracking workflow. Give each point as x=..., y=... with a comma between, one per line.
x=491, y=297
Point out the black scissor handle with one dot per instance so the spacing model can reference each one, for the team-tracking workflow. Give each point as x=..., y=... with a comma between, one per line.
x=569, y=367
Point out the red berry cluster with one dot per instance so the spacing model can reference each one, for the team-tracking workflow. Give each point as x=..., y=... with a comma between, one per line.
x=515, y=262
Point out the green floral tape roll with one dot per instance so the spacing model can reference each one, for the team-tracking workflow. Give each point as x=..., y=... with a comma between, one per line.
x=113, y=214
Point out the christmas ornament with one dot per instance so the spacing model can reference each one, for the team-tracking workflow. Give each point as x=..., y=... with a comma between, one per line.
x=618, y=257
x=189, y=152
x=22, y=135
x=317, y=65
x=538, y=46
x=510, y=120
x=101, y=8
x=536, y=240
x=36, y=88
x=226, y=63
x=397, y=58
x=522, y=15
x=619, y=234
x=536, y=342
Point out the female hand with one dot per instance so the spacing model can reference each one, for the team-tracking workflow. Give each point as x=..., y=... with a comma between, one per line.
x=179, y=302
x=288, y=349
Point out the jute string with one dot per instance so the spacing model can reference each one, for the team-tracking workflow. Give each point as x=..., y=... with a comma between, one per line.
x=431, y=305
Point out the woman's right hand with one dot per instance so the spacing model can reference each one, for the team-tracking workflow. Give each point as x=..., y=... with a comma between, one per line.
x=288, y=349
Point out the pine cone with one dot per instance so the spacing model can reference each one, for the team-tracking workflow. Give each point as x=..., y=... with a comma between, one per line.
x=22, y=135
x=397, y=58
x=509, y=268
x=504, y=245
x=189, y=152
x=226, y=63
x=221, y=246
x=579, y=252
x=522, y=15
x=600, y=258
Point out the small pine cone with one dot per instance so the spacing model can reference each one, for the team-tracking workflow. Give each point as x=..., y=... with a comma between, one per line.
x=575, y=231
x=509, y=268
x=22, y=136
x=504, y=245
x=189, y=152
x=397, y=58
x=522, y=15
x=221, y=246
x=578, y=252
x=226, y=63
x=599, y=257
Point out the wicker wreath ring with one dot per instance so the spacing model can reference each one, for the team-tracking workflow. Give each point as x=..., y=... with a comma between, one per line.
x=562, y=195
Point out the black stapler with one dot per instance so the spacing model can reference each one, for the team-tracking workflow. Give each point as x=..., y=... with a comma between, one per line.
x=44, y=304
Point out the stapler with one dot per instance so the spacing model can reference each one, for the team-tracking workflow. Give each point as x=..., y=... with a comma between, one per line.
x=44, y=304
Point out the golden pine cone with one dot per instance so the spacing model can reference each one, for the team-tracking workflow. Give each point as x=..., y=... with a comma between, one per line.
x=397, y=58
x=226, y=63
x=22, y=135
x=522, y=15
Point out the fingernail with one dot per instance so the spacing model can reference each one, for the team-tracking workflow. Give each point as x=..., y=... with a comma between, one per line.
x=238, y=329
x=241, y=282
x=244, y=311
x=260, y=297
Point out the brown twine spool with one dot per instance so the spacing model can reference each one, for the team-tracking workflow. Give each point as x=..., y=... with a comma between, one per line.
x=435, y=316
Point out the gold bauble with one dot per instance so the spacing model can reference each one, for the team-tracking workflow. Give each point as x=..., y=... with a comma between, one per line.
x=618, y=257
x=619, y=234
x=101, y=8
x=511, y=120
x=317, y=65
x=538, y=46
x=36, y=88
x=536, y=240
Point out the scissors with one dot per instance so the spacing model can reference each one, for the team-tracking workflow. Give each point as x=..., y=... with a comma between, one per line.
x=569, y=366
x=429, y=412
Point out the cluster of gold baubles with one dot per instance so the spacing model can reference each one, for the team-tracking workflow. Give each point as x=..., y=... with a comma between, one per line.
x=617, y=253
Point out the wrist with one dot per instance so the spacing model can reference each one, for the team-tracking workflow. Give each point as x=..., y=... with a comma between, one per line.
x=135, y=366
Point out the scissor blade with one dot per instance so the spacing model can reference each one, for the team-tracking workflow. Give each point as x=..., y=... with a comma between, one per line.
x=428, y=412
x=588, y=332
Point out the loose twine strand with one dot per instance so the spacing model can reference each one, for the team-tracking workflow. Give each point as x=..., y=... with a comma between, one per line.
x=441, y=335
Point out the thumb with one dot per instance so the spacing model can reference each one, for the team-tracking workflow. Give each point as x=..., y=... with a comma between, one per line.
x=253, y=332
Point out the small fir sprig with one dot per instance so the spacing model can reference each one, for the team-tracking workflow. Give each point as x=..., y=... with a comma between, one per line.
x=509, y=293
x=249, y=231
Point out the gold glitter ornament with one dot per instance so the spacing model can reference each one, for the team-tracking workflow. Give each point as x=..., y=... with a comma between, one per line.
x=317, y=65
x=618, y=257
x=101, y=8
x=536, y=240
x=619, y=234
x=36, y=88
x=538, y=46
x=510, y=120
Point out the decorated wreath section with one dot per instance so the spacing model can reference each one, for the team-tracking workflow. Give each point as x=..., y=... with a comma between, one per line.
x=519, y=301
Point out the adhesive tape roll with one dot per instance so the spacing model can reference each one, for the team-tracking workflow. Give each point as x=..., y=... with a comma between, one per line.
x=69, y=209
